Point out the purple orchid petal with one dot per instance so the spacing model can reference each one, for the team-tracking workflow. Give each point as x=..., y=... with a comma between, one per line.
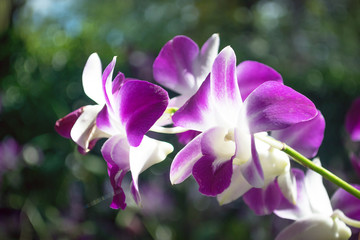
x=252, y=170
x=185, y=137
x=140, y=105
x=305, y=137
x=107, y=84
x=317, y=227
x=103, y=121
x=352, y=121
x=148, y=153
x=118, y=81
x=119, y=197
x=274, y=106
x=212, y=179
x=116, y=153
x=173, y=66
x=224, y=87
x=64, y=125
x=347, y=203
x=236, y=189
x=197, y=112
x=302, y=206
x=91, y=79
x=251, y=74
x=182, y=165
x=263, y=201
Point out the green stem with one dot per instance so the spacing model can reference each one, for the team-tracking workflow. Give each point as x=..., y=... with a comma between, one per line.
x=319, y=169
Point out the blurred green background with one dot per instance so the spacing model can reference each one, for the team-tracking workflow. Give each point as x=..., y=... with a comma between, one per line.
x=49, y=191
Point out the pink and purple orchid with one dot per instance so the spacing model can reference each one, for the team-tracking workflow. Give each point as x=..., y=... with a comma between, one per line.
x=234, y=108
x=182, y=67
x=123, y=117
x=234, y=121
x=315, y=215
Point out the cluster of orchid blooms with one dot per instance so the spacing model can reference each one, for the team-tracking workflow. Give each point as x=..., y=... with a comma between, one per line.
x=233, y=120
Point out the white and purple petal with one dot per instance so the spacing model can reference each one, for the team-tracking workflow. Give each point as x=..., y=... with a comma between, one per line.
x=140, y=105
x=251, y=74
x=107, y=83
x=197, y=113
x=317, y=227
x=302, y=208
x=173, y=67
x=305, y=137
x=148, y=153
x=224, y=88
x=214, y=169
x=252, y=170
x=217, y=102
x=212, y=178
x=274, y=106
x=182, y=165
x=206, y=58
x=116, y=153
x=103, y=121
x=84, y=130
x=218, y=142
x=352, y=121
x=236, y=189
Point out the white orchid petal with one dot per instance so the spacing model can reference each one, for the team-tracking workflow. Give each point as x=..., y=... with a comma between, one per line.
x=237, y=188
x=287, y=184
x=316, y=192
x=84, y=129
x=317, y=227
x=148, y=153
x=92, y=79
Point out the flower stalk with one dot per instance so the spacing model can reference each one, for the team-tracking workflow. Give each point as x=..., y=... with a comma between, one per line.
x=319, y=169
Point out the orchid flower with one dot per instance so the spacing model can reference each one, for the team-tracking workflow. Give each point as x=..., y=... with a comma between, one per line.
x=234, y=110
x=80, y=125
x=126, y=110
x=131, y=108
x=182, y=67
x=316, y=217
